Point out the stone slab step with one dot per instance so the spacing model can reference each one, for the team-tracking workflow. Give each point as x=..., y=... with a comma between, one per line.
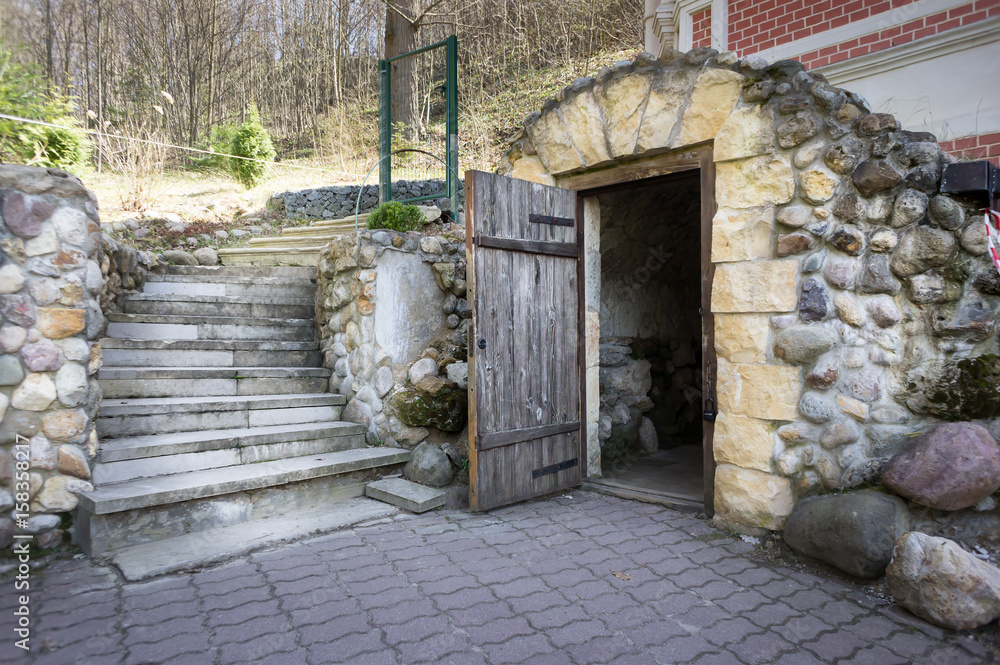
x=197, y=373
x=326, y=230
x=292, y=242
x=137, y=357
x=262, y=287
x=195, y=550
x=149, y=467
x=246, y=306
x=406, y=494
x=157, y=445
x=251, y=345
x=209, y=352
x=283, y=273
x=213, y=482
x=204, y=386
x=271, y=256
x=154, y=326
x=136, y=417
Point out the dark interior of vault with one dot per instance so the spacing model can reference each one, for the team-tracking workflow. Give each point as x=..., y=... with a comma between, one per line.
x=651, y=336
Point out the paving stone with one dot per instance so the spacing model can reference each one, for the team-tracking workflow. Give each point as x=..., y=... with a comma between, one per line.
x=761, y=648
x=532, y=583
x=833, y=646
x=167, y=649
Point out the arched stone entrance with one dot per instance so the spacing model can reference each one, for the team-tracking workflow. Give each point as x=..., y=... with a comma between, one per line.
x=846, y=288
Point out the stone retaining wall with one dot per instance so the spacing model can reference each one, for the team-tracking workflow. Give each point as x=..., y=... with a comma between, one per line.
x=848, y=290
x=392, y=320
x=339, y=201
x=52, y=284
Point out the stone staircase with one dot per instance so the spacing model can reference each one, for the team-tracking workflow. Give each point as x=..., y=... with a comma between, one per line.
x=217, y=430
x=295, y=246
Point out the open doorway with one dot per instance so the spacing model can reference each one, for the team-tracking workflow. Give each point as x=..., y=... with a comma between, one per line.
x=652, y=340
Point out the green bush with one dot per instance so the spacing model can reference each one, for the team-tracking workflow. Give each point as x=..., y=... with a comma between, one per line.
x=220, y=141
x=251, y=140
x=395, y=216
x=24, y=92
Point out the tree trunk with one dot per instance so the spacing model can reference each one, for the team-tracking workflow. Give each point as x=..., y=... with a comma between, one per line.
x=401, y=37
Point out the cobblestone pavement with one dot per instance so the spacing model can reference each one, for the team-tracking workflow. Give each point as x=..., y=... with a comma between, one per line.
x=581, y=578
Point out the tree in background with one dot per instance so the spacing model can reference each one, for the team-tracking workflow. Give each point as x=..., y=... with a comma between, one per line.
x=251, y=140
x=24, y=92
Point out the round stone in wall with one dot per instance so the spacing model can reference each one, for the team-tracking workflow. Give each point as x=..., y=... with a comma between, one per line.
x=954, y=466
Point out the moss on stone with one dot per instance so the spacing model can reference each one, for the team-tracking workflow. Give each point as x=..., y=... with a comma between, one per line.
x=447, y=409
x=969, y=389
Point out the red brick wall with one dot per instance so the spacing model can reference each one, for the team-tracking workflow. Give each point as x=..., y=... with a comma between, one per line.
x=756, y=25
x=984, y=146
x=909, y=31
x=701, y=28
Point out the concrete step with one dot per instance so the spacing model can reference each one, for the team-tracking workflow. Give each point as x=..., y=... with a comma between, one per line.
x=235, y=345
x=174, y=327
x=326, y=230
x=176, y=488
x=176, y=357
x=246, y=306
x=136, y=417
x=125, y=382
x=179, y=443
x=173, y=461
x=349, y=219
x=271, y=256
x=232, y=286
x=189, y=551
x=406, y=494
x=292, y=241
x=207, y=273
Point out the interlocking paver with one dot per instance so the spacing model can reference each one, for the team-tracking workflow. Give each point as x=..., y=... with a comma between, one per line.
x=570, y=580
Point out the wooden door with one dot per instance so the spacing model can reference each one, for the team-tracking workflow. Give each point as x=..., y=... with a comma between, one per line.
x=524, y=244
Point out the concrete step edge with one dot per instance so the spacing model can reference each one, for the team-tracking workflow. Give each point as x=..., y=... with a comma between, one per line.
x=181, y=487
x=114, y=408
x=202, y=548
x=207, y=344
x=158, y=445
x=140, y=373
x=198, y=319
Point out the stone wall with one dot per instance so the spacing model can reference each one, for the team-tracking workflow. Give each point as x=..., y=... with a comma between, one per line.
x=339, y=201
x=51, y=281
x=848, y=289
x=392, y=319
x=124, y=269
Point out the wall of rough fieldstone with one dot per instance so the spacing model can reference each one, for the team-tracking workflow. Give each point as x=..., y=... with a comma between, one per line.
x=51, y=284
x=847, y=287
x=124, y=270
x=339, y=201
x=392, y=320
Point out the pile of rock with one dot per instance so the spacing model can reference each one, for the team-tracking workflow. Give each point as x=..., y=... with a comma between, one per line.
x=650, y=396
x=953, y=467
x=339, y=201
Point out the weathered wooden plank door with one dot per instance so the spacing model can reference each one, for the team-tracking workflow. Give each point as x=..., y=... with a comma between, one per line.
x=524, y=244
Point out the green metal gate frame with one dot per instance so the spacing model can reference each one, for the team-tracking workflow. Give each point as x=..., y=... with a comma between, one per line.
x=451, y=123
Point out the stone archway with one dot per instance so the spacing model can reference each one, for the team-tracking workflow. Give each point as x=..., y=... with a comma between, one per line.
x=847, y=288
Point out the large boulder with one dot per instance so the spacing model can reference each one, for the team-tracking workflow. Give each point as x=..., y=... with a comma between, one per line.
x=954, y=466
x=852, y=532
x=429, y=465
x=937, y=580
